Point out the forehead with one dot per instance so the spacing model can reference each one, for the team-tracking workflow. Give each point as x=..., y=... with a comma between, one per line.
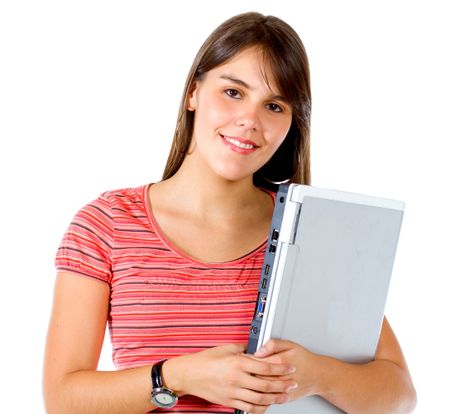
x=251, y=66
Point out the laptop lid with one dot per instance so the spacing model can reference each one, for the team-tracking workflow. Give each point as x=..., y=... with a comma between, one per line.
x=326, y=276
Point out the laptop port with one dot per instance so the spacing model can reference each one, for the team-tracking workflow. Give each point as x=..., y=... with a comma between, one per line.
x=264, y=283
x=275, y=234
x=267, y=269
x=272, y=248
x=261, y=306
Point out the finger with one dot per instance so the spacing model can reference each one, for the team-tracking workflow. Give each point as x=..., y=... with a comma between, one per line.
x=261, y=399
x=279, y=378
x=258, y=367
x=267, y=384
x=274, y=346
x=299, y=391
x=248, y=407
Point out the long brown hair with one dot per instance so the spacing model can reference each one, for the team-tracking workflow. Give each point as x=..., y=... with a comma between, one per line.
x=284, y=52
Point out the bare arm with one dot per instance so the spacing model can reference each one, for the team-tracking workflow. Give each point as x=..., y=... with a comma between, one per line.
x=74, y=342
x=72, y=384
x=381, y=386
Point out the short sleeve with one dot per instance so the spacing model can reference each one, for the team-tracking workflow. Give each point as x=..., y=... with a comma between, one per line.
x=87, y=244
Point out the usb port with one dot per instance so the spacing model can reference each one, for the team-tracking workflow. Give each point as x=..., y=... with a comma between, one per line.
x=267, y=269
x=272, y=248
x=264, y=283
x=275, y=234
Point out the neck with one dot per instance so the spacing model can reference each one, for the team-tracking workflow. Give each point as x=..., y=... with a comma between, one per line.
x=208, y=195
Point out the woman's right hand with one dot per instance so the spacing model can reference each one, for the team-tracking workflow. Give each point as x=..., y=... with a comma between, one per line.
x=225, y=375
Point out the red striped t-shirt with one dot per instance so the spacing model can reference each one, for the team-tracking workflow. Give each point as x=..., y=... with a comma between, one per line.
x=163, y=303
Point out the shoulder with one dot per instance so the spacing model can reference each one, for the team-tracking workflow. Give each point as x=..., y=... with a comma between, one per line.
x=122, y=199
x=124, y=195
x=101, y=213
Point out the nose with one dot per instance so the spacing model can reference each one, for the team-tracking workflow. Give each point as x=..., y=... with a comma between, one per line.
x=248, y=118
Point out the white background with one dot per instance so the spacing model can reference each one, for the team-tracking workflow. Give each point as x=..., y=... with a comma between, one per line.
x=89, y=92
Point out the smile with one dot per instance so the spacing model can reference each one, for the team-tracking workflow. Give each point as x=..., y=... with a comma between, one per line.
x=237, y=143
x=239, y=147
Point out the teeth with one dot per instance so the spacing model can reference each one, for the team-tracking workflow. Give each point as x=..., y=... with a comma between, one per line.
x=239, y=144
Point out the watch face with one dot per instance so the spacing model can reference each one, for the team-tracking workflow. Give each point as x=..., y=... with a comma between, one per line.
x=164, y=398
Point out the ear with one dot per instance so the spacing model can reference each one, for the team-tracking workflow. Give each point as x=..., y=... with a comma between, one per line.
x=192, y=97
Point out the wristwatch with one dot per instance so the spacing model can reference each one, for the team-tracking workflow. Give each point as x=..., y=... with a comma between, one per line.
x=161, y=396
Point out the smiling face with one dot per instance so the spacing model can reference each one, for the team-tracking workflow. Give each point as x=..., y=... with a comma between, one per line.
x=240, y=116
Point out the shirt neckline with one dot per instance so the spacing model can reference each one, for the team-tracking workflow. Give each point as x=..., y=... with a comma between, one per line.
x=179, y=252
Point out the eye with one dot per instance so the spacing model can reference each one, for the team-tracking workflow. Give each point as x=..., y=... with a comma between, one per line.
x=233, y=93
x=274, y=107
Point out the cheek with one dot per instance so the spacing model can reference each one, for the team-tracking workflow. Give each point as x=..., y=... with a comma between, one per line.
x=214, y=112
x=285, y=126
x=280, y=131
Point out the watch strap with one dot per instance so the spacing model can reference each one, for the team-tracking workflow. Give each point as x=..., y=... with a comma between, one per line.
x=156, y=375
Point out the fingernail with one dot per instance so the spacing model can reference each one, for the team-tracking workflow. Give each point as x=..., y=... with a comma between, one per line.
x=292, y=387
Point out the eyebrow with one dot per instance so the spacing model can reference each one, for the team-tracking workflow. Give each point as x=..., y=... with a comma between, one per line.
x=246, y=85
x=235, y=80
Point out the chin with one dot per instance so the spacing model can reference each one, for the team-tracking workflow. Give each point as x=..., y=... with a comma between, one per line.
x=236, y=177
x=231, y=172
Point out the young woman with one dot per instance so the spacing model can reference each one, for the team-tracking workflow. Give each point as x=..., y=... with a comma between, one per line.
x=173, y=267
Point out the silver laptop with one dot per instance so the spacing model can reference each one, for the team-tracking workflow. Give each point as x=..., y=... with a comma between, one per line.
x=325, y=277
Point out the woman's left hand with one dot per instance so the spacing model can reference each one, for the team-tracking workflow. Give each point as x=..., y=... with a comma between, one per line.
x=382, y=385
x=308, y=365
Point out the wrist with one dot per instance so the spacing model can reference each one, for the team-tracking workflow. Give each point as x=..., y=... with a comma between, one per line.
x=173, y=373
x=328, y=371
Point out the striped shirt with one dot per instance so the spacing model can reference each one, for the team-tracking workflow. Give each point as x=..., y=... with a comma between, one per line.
x=163, y=303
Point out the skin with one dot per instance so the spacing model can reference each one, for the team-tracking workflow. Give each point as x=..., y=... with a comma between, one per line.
x=234, y=100
x=199, y=210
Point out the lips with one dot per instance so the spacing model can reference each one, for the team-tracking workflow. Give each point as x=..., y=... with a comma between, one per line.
x=240, y=143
